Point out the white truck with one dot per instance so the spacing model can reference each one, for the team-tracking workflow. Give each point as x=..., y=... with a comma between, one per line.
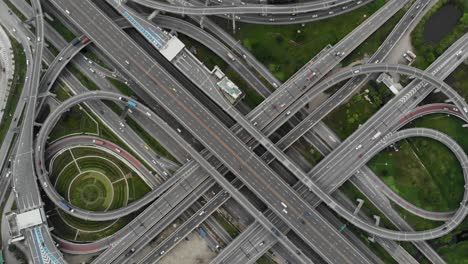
x=376, y=135
x=231, y=56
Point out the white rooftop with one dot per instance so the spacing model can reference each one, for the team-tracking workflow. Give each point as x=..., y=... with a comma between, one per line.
x=29, y=219
x=172, y=48
x=230, y=88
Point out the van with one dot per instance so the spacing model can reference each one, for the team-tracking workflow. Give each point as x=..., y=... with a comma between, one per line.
x=178, y=130
x=66, y=11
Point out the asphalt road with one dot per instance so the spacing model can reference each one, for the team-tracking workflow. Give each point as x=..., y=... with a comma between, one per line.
x=244, y=9
x=166, y=100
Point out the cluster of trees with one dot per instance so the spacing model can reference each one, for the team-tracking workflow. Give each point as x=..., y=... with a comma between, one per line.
x=426, y=52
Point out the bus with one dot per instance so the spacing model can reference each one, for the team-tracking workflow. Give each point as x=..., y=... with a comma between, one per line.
x=131, y=103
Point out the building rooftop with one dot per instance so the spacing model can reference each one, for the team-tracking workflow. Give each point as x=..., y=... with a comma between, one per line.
x=29, y=219
x=172, y=48
x=230, y=88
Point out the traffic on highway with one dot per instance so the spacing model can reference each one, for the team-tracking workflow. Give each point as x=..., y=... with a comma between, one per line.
x=145, y=131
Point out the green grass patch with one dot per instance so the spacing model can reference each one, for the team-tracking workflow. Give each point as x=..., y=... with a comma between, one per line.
x=52, y=48
x=122, y=87
x=74, y=121
x=368, y=207
x=137, y=188
x=61, y=28
x=101, y=172
x=372, y=44
x=458, y=80
x=16, y=87
x=265, y=260
x=15, y=10
x=64, y=178
x=84, y=80
x=456, y=253
x=95, y=58
x=346, y=118
x=285, y=49
x=91, y=191
x=308, y=152
x=149, y=140
x=102, y=165
x=61, y=91
x=421, y=162
x=230, y=228
x=439, y=160
x=426, y=52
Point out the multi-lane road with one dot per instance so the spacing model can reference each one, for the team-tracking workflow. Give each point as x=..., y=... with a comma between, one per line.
x=284, y=202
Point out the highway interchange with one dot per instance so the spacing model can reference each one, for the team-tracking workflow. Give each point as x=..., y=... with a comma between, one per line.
x=232, y=149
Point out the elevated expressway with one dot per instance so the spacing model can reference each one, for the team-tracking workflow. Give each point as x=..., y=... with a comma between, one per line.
x=305, y=81
x=41, y=245
x=244, y=9
x=357, y=71
x=298, y=18
x=378, y=68
x=113, y=96
x=76, y=11
x=117, y=97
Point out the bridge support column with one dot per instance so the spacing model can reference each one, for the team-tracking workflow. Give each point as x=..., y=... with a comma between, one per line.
x=201, y=22
x=360, y=203
x=233, y=23
x=377, y=221
x=124, y=113
x=153, y=15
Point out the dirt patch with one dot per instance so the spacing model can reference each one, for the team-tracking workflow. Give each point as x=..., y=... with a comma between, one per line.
x=193, y=251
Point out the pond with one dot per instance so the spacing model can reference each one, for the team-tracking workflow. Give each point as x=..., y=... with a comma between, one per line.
x=441, y=23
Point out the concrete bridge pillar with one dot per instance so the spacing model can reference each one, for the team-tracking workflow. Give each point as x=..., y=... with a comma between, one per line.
x=360, y=203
